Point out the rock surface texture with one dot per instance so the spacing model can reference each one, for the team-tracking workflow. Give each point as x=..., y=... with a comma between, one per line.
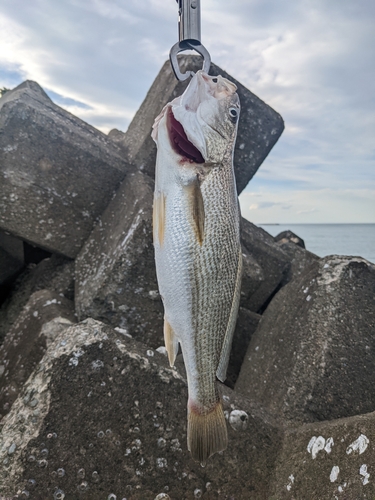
x=11, y=257
x=27, y=341
x=55, y=273
x=262, y=279
x=115, y=271
x=312, y=357
x=48, y=159
x=299, y=258
x=289, y=236
x=133, y=442
x=93, y=410
x=247, y=322
x=327, y=460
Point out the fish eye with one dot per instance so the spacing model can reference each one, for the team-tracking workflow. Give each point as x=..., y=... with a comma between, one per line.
x=214, y=80
x=233, y=114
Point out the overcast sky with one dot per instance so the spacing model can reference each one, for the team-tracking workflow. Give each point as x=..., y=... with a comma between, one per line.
x=313, y=61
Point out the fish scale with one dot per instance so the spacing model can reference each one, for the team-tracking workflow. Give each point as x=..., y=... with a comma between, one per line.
x=197, y=245
x=213, y=265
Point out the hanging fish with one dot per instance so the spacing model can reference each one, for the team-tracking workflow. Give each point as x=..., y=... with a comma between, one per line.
x=197, y=245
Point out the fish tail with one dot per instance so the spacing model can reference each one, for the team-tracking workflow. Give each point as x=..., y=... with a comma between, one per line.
x=207, y=432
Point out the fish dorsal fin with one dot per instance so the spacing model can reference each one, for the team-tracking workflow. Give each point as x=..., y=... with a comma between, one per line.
x=171, y=342
x=221, y=371
x=197, y=209
x=158, y=218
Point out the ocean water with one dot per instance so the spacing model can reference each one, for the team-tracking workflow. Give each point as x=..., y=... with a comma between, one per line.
x=328, y=239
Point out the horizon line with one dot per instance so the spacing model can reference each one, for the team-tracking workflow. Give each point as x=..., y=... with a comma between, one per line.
x=306, y=223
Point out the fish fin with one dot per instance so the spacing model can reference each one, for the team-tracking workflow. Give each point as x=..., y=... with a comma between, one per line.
x=197, y=209
x=221, y=371
x=171, y=342
x=158, y=218
x=207, y=433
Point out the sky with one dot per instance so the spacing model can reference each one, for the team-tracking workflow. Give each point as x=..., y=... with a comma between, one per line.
x=313, y=61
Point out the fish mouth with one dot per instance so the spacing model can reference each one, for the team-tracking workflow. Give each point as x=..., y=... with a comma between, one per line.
x=179, y=141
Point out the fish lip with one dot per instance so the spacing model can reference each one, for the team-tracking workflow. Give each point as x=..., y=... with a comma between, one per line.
x=180, y=142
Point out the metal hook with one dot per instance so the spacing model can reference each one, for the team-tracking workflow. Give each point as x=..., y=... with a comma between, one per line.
x=188, y=45
x=189, y=29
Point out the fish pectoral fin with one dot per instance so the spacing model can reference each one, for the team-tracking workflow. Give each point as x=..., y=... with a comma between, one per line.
x=222, y=367
x=197, y=209
x=158, y=218
x=171, y=342
x=207, y=433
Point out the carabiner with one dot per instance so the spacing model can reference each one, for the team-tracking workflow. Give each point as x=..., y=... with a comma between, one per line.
x=188, y=45
x=189, y=28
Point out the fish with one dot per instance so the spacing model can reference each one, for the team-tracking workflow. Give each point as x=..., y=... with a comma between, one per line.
x=196, y=233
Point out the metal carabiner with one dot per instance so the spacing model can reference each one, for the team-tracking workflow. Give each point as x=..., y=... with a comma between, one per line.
x=189, y=29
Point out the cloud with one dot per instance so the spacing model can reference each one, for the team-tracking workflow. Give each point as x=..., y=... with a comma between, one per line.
x=309, y=206
x=309, y=60
x=102, y=54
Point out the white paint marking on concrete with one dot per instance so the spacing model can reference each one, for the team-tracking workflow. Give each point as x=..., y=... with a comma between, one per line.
x=329, y=444
x=336, y=267
x=316, y=444
x=311, y=443
x=291, y=482
x=334, y=473
x=364, y=473
x=359, y=445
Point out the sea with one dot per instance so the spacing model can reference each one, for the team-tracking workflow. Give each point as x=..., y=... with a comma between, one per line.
x=328, y=239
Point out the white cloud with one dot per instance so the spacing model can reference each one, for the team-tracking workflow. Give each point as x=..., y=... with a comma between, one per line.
x=309, y=60
x=309, y=206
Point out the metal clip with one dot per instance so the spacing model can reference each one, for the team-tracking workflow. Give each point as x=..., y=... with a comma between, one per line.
x=189, y=29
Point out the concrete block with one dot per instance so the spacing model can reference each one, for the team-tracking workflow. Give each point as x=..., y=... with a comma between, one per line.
x=327, y=460
x=111, y=420
x=247, y=323
x=57, y=173
x=300, y=260
x=265, y=267
x=252, y=277
x=11, y=257
x=13, y=246
x=26, y=342
x=55, y=273
x=258, y=130
x=115, y=270
x=312, y=356
x=289, y=236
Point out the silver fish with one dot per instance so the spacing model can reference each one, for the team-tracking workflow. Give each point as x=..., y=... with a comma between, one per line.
x=197, y=245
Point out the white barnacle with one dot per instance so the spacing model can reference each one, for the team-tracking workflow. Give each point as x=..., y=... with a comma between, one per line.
x=161, y=463
x=360, y=445
x=238, y=420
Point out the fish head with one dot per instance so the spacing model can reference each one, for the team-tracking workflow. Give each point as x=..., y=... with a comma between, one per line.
x=202, y=123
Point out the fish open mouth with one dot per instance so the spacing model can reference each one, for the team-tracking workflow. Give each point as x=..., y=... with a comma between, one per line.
x=180, y=142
